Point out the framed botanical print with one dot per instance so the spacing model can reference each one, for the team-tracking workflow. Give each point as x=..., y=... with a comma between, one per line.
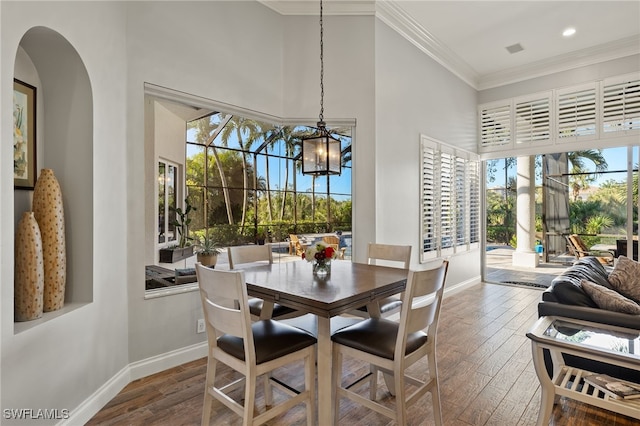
x=24, y=135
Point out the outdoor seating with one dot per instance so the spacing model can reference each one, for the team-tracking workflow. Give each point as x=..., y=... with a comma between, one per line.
x=580, y=250
x=392, y=347
x=621, y=246
x=334, y=242
x=252, y=350
x=296, y=248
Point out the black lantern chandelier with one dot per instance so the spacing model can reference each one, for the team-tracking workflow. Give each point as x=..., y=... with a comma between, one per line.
x=321, y=152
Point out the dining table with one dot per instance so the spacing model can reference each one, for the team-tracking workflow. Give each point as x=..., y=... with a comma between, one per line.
x=348, y=286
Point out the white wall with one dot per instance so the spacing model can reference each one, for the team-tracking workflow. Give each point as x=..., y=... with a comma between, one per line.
x=349, y=93
x=60, y=362
x=414, y=96
x=572, y=77
x=229, y=52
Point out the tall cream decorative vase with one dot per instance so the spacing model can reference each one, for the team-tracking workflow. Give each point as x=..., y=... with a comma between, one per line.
x=49, y=212
x=29, y=270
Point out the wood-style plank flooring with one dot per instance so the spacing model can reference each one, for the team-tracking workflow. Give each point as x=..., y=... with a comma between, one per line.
x=484, y=362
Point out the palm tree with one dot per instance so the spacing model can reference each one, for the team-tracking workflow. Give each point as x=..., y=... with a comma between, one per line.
x=207, y=130
x=247, y=132
x=580, y=179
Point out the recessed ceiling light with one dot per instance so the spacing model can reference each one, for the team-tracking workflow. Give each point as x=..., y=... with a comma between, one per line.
x=569, y=32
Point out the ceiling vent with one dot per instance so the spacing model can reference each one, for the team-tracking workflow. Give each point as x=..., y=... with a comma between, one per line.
x=515, y=48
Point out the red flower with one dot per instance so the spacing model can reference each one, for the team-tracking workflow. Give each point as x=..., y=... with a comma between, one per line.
x=328, y=252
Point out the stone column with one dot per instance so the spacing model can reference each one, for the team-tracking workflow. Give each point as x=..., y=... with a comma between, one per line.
x=525, y=214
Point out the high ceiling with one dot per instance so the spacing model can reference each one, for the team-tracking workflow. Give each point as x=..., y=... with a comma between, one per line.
x=471, y=37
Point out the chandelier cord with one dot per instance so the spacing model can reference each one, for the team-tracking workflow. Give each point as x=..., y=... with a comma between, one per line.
x=321, y=68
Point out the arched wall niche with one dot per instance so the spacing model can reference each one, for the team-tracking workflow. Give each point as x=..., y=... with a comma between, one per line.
x=64, y=129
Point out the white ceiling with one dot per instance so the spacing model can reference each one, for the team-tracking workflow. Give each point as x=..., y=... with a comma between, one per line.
x=470, y=37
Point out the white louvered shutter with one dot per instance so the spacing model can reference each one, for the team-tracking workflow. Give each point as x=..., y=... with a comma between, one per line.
x=533, y=120
x=576, y=112
x=495, y=125
x=621, y=105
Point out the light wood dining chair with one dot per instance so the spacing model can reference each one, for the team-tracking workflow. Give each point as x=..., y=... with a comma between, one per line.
x=396, y=256
x=252, y=349
x=391, y=347
x=257, y=255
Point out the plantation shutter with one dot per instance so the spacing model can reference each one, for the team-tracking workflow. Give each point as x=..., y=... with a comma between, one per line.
x=461, y=202
x=429, y=211
x=533, y=120
x=447, y=208
x=450, y=215
x=495, y=125
x=576, y=112
x=621, y=106
x=473, y=180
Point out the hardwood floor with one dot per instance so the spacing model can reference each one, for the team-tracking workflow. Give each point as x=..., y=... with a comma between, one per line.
x=484, y=363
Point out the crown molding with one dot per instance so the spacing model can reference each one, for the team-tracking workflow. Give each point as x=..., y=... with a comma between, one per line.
x=606, y=52
x=389, y=12
x=401, y=22
x=330, y=7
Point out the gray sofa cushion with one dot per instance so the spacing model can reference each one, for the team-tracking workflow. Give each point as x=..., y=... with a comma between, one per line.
x=625, y=278
x=609, y=299
x=567, y=289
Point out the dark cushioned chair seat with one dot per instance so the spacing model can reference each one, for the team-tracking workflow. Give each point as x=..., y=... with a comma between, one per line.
x=255, y=308
x=378, y=337
x=309, y=323
x=271, y=339
x=387, y=304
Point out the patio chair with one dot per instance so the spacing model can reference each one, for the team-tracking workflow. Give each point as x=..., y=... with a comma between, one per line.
x=580, y=250
x=392, y=347
x=251, y=349
x=334, y=241
x=295, y=246
x=258, y=254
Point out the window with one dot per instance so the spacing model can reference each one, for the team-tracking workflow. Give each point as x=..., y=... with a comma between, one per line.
x=167, y=184
x=596, y=110
x=450, y=216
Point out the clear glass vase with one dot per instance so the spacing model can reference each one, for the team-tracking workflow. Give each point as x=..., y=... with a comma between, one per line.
x=321, y=268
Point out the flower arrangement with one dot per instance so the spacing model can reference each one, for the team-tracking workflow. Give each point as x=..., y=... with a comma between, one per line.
x=320, y=255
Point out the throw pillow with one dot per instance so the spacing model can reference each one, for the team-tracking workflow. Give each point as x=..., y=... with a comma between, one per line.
x=625, y=278
x=609, y=299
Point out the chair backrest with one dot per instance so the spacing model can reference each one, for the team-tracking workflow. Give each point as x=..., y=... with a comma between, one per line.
x=249, y=254
x=225, y=306
x=332, y=240
x=579, y=247
x=389, y=253
x=421, y=304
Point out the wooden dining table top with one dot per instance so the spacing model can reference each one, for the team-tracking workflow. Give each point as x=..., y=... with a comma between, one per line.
x=348, y=286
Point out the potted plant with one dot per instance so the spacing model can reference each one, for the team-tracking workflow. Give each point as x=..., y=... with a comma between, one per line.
x=184, y=248
x=208, y=251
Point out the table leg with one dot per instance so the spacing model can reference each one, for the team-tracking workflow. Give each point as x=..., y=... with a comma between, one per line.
x=547, y=388
x=325, y=388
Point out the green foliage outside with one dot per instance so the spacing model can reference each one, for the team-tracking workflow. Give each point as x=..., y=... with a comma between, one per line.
x=603, y=212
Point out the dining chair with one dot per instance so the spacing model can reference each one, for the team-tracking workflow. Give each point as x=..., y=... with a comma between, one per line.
x=252, y=349
x=391, y=347
x=386, y=255
x=257, y=255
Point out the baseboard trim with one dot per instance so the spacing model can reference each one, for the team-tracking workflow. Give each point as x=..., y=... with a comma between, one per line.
x=450, y=291
x=136, y=370
x=158, y=363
